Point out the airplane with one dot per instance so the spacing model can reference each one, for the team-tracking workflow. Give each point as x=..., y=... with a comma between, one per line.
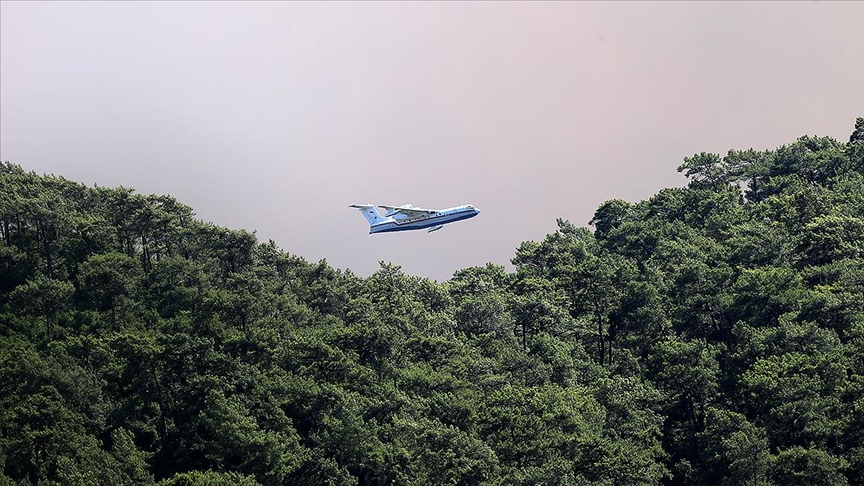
x=407, y=217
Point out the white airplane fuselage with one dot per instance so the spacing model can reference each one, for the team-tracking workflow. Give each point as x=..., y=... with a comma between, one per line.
x=400, y=222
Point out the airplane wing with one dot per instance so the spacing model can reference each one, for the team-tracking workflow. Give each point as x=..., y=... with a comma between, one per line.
x=407, y=210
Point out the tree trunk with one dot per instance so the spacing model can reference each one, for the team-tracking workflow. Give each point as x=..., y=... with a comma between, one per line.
x=163, y=408
x=49, y=328
x=602, y=342
x=145, y=252
x=49, y=262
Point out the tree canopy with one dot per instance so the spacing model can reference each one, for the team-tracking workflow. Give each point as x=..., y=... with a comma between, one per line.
x=712, y=334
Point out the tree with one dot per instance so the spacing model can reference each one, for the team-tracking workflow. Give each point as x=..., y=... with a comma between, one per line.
x=735, y=450
x=107, y=282
x=609, y=216
x=800, y=466
x=43, y=297
x=705, y=171
x=209, y=478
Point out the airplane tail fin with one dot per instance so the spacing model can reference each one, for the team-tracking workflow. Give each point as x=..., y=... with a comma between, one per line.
x=370, y=212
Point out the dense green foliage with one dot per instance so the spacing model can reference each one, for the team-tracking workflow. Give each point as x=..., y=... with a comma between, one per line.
x=713, y=334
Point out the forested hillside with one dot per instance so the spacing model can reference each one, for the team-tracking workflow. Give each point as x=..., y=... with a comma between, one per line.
x=712, y=334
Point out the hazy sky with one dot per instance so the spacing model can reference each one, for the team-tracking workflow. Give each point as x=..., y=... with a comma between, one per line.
x=275, y=116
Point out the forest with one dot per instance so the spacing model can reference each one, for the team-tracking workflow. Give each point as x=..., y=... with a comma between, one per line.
x=712, y=334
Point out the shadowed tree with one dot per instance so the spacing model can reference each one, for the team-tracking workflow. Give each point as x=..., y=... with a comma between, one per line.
x=43, y=297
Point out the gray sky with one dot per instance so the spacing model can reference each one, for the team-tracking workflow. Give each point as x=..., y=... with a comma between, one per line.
x=275, y=116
